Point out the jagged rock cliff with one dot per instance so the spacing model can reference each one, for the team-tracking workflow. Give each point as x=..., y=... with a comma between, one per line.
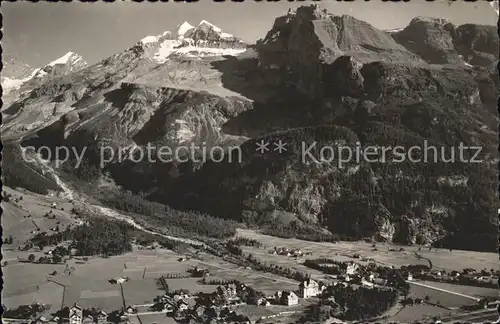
x=438, y=41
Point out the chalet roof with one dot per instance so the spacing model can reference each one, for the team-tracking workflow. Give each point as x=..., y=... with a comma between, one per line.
x=75, y=305
x=287, y=294
x=309, y=282
x=182, y=301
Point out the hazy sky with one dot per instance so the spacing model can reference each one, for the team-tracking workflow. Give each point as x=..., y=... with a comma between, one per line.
x=38, y=33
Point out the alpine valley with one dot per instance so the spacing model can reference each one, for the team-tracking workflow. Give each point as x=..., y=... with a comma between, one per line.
x=314, y=77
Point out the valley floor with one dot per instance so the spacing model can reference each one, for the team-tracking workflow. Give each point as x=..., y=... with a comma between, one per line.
x=86, y=281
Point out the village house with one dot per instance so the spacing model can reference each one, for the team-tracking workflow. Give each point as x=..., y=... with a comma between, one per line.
x=200, y=310
x=262, y=301
x=130, y=310
x=163, y=299
x=287, y=298
x=168, y=308
x=199, y=272
x=102, y=317
x=75, y=314
x=118, y=280
x=290, y=298
x=309, y=288
x=352, y=268
x=366, y=283
x=178, y=295
x=181, y=306
x=41, y=320
x=228, y=291
x=436, y=273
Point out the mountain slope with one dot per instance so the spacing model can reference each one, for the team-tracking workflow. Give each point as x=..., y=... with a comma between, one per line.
x=348, y=200
x=131, y=90
x=203, y=40
x=303, y=40
x=438, y=41
x=20, y=86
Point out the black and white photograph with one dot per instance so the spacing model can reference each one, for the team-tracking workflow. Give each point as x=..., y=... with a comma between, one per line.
x=271, y=162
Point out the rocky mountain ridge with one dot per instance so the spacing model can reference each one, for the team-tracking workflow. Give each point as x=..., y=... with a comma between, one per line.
x=203, y=40
x=438, y=41
x=18, y=87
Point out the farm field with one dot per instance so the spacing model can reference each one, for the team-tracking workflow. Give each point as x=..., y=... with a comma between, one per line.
x=23, y=276
x=289, y=262
x=413, y=313
x=48, y=293
x=439, y=297
x=142, y=291
x=89, y=280
x=16, y=219
x=441, y=258
x=479, y=292
x=153, y=318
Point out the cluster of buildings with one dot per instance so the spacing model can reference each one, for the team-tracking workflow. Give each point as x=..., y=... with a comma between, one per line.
x=469, y=276
x=288, y=252
x=177, y=306
x=352, y=273
x=199, y=272
x=77, y=315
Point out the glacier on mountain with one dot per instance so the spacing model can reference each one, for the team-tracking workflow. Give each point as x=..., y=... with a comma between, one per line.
x=205, y=39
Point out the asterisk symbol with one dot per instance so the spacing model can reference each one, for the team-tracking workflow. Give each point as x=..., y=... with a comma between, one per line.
x=262, y=146
x=280, y=147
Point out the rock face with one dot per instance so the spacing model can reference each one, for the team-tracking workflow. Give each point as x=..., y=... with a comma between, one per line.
x=20, y=86
x=315, y=79
x=135, y=115
x=307, y=38
x=203, y=40
x=182, y=67
x=438, y=41
x=380, y=102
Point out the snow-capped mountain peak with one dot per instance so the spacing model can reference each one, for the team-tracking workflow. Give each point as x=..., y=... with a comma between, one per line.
x=205, y=39
x=69, y=62
x=149, y=39
x=65, y=58
x=207, y=27
x=206, y=23
x=184, y=28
